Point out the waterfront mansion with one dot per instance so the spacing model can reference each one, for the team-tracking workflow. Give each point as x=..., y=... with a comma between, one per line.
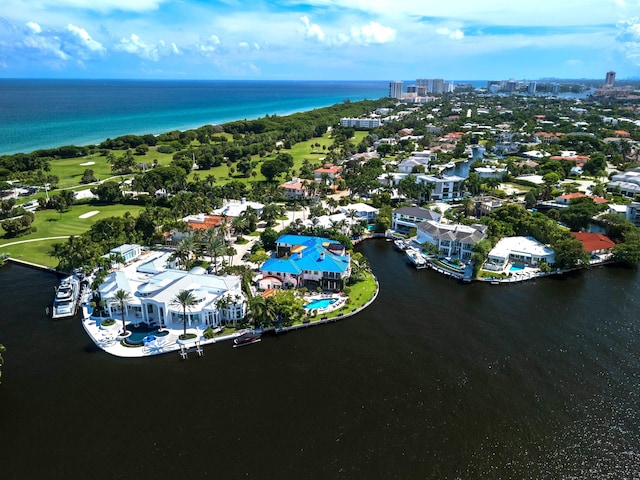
x=152, y=286
x=452, y=240
x=304, y=261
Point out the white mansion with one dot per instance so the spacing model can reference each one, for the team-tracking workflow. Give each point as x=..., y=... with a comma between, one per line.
x=152, y=287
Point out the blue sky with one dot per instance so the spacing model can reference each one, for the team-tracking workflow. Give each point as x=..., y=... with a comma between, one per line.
x=319, y=39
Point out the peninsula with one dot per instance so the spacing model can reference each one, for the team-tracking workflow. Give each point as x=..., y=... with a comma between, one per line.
x=251, y=224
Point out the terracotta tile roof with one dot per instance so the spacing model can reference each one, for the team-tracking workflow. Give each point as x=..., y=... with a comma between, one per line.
x=210, y=221
x=593, y=242
x=571, y=196
x=328, y=169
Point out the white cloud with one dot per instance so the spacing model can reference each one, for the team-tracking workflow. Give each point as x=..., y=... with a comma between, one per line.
x=628, y=39
x=136, y=46
x=313, y=30
x=243, y=45
x=95, y=5
x=209, y=46
x=456, y=34
x=46, y=45
x=373, y=33
x=85, y=39
x=34, y=27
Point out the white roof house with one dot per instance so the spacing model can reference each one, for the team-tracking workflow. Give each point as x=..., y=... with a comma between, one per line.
x=525, y=250
x=153, y=287
x=363, y=211
x=233, y=208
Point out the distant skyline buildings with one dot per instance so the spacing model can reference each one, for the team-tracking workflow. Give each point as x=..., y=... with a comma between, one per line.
x=395, y=89
x=610, y=79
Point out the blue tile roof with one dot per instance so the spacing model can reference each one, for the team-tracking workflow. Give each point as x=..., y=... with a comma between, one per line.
x=314, y=257
x=303, y=240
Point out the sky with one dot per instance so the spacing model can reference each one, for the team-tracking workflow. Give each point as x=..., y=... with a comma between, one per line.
x=319, y=39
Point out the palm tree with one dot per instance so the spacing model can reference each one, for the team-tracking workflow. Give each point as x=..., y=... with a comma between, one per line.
x=270, y=213
x=262, y=311
x=121, y=298
x=231, y=251
x=186, y=300
x=215, y=246
x=239, y=225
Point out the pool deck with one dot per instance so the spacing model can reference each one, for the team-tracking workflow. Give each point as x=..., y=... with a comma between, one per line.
x=108, y=339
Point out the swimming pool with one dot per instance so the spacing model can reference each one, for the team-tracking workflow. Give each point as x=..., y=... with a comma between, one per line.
x=139, y=334
x=516, y=267
x=320, y=303
x=451, y=264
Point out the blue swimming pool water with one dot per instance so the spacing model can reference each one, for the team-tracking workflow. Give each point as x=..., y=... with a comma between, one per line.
x=515, y=267
x=323, y=303
x=138, y=334
x=451, y=264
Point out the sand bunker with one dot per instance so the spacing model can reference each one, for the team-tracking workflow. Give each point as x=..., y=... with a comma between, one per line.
x=86, y=164
x=90, y=214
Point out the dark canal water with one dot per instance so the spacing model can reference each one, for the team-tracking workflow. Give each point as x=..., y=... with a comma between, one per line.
x=435, y=380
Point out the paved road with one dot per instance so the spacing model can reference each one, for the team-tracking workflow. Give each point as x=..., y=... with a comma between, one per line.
x=34, y=240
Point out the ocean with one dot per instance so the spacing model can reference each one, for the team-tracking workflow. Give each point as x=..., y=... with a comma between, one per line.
x=38, y=114
x=436, y=380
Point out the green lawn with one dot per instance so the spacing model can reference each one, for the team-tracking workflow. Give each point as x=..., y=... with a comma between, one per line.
x=50, y=223
x=359, y=295
x=34, y=252
x=70, y=170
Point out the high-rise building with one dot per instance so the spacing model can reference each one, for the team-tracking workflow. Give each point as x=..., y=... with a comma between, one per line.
x=610, y=79
x=395, y=89
x=433, y=85
x=531, y=88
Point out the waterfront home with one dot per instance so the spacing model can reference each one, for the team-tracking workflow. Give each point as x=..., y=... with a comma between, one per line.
x=152, y=288
x=595, y=243
x=127, y=253
x=567, y=198
x=452, y=240
x=361, y=211
x=305, y=261
x=490, y=172
x=404, y=219
x=417, y=159
x=446, y=187
x=520, y=250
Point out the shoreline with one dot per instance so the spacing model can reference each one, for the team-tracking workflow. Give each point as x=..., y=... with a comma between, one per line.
x=188, y=115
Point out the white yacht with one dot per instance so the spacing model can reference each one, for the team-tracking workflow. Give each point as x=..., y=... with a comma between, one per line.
x=65, y=303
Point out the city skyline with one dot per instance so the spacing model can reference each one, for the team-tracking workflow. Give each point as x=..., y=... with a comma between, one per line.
x=318, y=39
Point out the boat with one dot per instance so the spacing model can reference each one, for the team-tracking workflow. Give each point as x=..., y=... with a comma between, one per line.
x=416, y=257
x=400, y=244
x=450, y=165
x=67, y=299
x=247, y=339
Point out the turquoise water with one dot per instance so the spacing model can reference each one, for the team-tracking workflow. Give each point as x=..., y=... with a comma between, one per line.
x=451, y=264
x=38, y=114
x=515, y=267
x=323, y=303
x=138, y=334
